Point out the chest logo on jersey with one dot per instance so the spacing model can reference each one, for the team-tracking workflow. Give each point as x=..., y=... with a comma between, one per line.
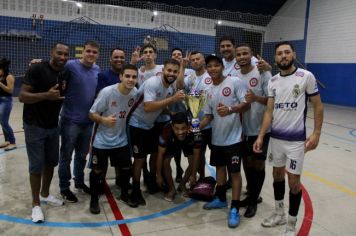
x=131, y=102
x=226, y=91
x=208, y=80
x=296, y=91
x=236, y=66
x=113, y=104
x=253, y=82
x=299, y=73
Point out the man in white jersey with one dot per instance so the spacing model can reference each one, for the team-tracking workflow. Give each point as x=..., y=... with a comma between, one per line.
x=227, y=50
x=199, y=81
x=256, y=95
x=149, y=55
x=226, y=99
x=110, y=111
x=153, y=96
x=288, y=93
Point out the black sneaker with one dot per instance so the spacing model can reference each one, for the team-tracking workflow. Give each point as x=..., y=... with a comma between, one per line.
x=251, y=211
x=124, y=198
x=83, y=188
x=94, y=205
x=69, y=196
x=137, y=198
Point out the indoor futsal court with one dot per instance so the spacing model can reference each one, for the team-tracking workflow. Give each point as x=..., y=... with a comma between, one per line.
x=323, y=35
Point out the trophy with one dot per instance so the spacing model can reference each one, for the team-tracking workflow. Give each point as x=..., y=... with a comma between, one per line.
x=196, y=101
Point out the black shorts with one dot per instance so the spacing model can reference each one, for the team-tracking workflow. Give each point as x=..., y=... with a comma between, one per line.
x=247, y=147
x=229, y=156
x=142, y=142
x=206, y=134
x=119, y=157
x=157, y=131
x=172, y=151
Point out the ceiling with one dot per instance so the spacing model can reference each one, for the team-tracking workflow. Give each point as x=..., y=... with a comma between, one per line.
x=264, y=7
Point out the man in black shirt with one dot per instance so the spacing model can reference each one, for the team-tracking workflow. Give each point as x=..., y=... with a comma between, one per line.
x=176, y=136
x=42, y=94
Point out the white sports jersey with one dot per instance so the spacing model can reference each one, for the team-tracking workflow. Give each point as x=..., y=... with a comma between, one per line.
x=231, y=67
x=226, y=130
x=143, y=76
x=151, y=90
x=290, y=95
x=109, y=102
x=258, y=83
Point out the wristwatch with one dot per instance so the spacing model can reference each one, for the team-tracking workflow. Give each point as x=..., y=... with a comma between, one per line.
x=230, y=110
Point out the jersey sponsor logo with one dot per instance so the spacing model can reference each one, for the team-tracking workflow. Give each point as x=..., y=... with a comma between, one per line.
x=299, y=73
x=131, y=102
x=235, y=160
x=286, y=105
x=236, y=66
x=296, y=91
x=113, y=104
x=208, y=80
x=94, y=160
x=226, y=91
x=253, y=82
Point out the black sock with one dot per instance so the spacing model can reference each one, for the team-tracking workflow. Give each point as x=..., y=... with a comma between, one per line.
x=260, y=178
x=124, y=180
x=235, y=204
x=279, y=189
x=294, y=203
x=221, y=192
x=249, y=179
x=94, y=183
x=136, y=186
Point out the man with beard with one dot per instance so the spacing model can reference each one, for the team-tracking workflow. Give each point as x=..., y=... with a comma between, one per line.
x=41, y=94
x=153, y=96
x=176, y=136
x=288, y=92
x=226, y=100
x=256, y=95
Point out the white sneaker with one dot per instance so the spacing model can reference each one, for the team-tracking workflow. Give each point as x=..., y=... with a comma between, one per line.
x=37, y=215
x=274, y=220
x=289, y=231
x=51, y=200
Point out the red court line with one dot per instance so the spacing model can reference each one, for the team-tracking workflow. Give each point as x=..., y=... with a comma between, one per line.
x=308, y=214
x=116, y=211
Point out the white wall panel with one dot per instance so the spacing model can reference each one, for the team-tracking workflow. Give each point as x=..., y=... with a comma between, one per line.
x=288, y=23
x=331, y=32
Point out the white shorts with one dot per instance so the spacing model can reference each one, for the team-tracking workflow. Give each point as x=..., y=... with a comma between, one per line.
x=286, y=153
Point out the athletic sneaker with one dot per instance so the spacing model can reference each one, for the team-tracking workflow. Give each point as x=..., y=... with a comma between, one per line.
x=234, y=218
x=83, y=188
x=215, y=204
x=37, y=215
x=289, y=231
x=69, y=196
x=51, y=200
x=137, y=198
x=274, y=220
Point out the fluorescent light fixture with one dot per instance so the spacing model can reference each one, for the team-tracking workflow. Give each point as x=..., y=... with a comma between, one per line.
x=155, y=13
x=80, y=5
x=219, y=22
